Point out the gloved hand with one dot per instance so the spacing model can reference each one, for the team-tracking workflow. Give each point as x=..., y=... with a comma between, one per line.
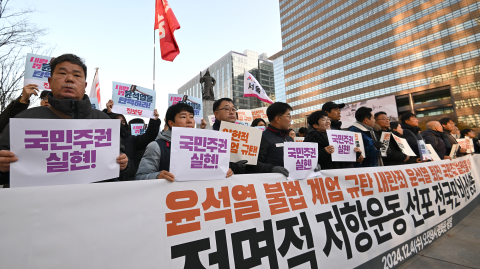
x=281, y=170
x=378, y=145
x=239, y=167
x=318, y=168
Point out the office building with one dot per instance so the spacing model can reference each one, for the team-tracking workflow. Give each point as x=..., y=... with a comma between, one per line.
x=426, y=53
x=279, y=76
x=228, y=72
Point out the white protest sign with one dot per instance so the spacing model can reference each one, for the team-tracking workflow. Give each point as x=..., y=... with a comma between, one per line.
x=211, y=119
x=260, y=113
x=245, y=142
x=433, y=153
x=94, y=103
x=344, y=144
x=404, y=146
x=385, y=139
x=198, y=154
x=59, y=152
x=423, y=150
x=471, y=148
x=137, y=128
x=359, y=143
x=133, y=100
x=300, y=159
x=464, y=144
x=245, y=115
x=453, y=151
x=194, y=102
x=298, y=139
x=37, y=71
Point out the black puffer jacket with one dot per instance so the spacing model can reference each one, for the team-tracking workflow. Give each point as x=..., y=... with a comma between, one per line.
x=81, y=109
x=336, y=125
x=271, y=150
x=395, y=156
x=437, y=140
x=133, y=144
x=324, y=158
x=412, y=135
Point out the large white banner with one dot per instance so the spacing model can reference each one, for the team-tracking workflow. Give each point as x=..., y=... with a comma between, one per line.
x=37, y=71
x=133, y=100
x=386, y=104
x=343, y=219
x=58, y=152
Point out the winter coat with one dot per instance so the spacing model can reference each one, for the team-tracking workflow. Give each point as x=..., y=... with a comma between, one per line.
x=435, y=139
x=324, y=158
x=371, y=153
x=271, y=150
x=11, y=111
x=59, y=109
x=412, y=135
x=395, y=156
x=336, y=125
x=149, y=167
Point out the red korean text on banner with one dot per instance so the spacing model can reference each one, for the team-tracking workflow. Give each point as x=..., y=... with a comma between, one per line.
x=166, y=23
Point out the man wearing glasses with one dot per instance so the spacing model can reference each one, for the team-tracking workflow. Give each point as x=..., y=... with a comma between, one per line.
x=270, y=156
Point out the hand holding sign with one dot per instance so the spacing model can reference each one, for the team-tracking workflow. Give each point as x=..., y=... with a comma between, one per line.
x=6, y=158
x=27, y=92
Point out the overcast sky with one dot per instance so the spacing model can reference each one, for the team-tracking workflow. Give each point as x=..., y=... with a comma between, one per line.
x=117, y=36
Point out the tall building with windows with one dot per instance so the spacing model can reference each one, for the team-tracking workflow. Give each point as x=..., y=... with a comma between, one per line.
x=228, y=72
x=279, y=76
x=425, y=52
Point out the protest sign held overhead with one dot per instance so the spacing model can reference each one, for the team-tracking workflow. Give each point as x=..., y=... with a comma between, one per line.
x=137, y=128
x=404, y=146
x=37, y=71
x=199, y=154
x=344, y=143
x=59, y=152
x=133, y=100
x=260, y=113
x=300, y=159
x=251, y=88
x=194, y=102
x=166, y=23
x=245, y=142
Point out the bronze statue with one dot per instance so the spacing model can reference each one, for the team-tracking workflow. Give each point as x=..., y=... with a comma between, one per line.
x=207, y=88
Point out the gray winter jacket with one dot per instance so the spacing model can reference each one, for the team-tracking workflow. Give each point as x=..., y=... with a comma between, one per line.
x=149, y=167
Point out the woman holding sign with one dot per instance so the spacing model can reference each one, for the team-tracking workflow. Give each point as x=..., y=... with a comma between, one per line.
x=320, y=122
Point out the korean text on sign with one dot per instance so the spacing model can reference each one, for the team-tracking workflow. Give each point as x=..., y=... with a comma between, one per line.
x=245, y=142
x=37, y=71
x=194, y=102
x=59, y=152
x=133, y=100
x=300, y=159
x=198, y=154
x=344, y=144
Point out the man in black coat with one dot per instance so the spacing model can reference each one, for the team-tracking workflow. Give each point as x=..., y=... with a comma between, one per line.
x=333, y=112
x=320, y=123
x=270, y=156
x=434, y=136
x=411, y=132
x=449, y=127
x=395, y=156
x=67, y=101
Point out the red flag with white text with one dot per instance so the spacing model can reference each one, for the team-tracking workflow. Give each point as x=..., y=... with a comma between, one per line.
x=166, y=23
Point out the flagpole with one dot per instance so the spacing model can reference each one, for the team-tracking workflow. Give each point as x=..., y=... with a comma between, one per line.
x=154, y=38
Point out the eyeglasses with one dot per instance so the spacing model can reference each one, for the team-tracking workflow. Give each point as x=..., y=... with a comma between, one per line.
x=288, y=116
x=228, y=109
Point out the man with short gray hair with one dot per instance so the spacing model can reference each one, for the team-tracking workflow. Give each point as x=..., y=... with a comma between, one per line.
x=434, y=136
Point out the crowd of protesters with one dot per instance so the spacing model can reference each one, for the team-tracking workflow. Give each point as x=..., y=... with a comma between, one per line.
x=147, y=156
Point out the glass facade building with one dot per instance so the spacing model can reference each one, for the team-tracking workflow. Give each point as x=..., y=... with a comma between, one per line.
x=228, y=72
x=350, y=50
x=279, y=76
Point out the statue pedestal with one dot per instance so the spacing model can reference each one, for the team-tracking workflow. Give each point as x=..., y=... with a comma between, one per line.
x=207, y=106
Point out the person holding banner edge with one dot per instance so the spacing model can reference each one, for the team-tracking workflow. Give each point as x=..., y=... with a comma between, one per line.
x=155, y=163
x=67, y=101
x=320, y=123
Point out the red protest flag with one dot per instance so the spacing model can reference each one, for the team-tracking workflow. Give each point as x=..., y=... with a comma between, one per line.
x=166, y=23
